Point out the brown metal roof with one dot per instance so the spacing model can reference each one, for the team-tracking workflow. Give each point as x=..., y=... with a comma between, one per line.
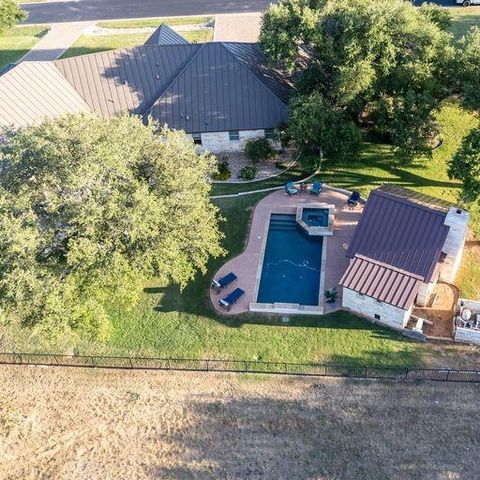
x=32, y=91
x=382, y=282
x=417, y=197
x=400, y=232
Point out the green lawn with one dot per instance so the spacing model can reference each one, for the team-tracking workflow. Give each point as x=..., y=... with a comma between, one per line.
x=170, y=323
x=98, y=43
x=377, y=164
x=17, y=41
x=463, y=19
x=155, y=22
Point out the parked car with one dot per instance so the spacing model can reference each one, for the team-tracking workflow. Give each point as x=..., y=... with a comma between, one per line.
x=467, y=3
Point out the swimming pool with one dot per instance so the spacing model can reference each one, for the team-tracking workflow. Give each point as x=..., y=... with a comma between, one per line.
x=291, y=264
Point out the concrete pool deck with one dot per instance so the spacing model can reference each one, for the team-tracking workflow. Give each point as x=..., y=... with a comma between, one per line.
x=246, y=265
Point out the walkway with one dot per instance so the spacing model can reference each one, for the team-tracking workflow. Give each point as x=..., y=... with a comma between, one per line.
x=238, y=27
x=246, y=265
x=56, y=41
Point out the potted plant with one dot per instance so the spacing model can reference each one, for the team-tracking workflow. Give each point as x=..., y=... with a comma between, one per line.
x=331, y=295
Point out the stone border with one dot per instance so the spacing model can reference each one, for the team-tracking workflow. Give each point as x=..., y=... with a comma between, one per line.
x=270, y=189
x=317, y=231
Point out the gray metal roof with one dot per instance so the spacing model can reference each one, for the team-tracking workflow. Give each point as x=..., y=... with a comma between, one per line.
x=217, y=92
x=196, y=87
x=32, y=91
x=128, y=79
x=382, y=282
x=401, y=233
x=165, y=35
x=251, y=55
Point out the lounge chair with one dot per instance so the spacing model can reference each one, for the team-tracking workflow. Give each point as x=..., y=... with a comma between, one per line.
x=316, y=188
x=291, y=189
x=353, y=199
x=223, y=282
x=231, y=299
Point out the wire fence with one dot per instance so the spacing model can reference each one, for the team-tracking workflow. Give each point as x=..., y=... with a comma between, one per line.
x=244, y=366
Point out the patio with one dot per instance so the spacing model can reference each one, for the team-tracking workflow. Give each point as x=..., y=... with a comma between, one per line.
x=246, y=265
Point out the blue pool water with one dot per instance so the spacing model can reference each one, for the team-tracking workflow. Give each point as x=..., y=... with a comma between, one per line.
x=315, y=217
x=291, y=265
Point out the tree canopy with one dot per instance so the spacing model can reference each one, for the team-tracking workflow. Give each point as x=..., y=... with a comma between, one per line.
x=465, y=165
x=466, y=68
x=383, y=63
x=90, y=209
x=10, y=14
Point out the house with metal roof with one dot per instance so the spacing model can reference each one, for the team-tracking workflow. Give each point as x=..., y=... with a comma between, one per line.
x=404, y=243
x=220, y=93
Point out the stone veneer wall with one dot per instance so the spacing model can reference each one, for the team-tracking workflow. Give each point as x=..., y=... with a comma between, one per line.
x=220, y=142
x=368, y=306
x=454, y=243
x=424, y=293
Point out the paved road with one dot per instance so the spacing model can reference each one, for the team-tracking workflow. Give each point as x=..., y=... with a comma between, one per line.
x=88, y=10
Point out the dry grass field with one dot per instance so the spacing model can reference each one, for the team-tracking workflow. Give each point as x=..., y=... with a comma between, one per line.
x=101, y=424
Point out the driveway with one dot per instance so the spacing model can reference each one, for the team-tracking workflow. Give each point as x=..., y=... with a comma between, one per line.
x=95, y=10
x=241, y=27
x=56, y=41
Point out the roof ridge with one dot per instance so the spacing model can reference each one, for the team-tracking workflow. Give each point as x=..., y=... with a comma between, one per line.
x=204, y=46
x=255, y=44
x=389, y=266
x=181, y=72
x=406, y=201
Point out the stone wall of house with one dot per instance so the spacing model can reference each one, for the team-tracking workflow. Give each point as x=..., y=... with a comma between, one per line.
x=457, y=220
x=424, y=293
x=389, y=315
x=220, y=141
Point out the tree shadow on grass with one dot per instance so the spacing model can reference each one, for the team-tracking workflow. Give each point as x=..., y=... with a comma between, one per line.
x=319, y=428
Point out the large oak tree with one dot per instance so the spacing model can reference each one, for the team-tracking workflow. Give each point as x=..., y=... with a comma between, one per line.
x=91, y=209
x=382, y=63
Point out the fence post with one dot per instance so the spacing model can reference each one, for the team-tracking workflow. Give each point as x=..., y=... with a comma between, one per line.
x=207, y=365
x=407, y=370
x=245, y=364
x=365, y=375
x=448, y=374
x=130, y=361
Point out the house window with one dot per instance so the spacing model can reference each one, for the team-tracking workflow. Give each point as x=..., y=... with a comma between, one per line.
x=361, y=295
x=378, y=301
x=377, y=316
x=234, y=135
x=197, y=138
x=270, y=133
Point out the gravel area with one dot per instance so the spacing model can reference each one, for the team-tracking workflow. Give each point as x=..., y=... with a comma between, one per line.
x=265, y=168
x=101, y=31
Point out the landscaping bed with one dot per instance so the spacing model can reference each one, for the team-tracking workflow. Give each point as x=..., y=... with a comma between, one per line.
x=265, y=168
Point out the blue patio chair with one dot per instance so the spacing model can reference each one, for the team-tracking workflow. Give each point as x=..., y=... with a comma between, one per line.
x=353, y=199
x=316, y=188
x=223, y=282
x=231, y=299
x=291, y=189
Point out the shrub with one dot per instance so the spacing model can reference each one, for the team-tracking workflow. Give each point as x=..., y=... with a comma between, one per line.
x=223, y=172
x=248, y=172
x=259, y=149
